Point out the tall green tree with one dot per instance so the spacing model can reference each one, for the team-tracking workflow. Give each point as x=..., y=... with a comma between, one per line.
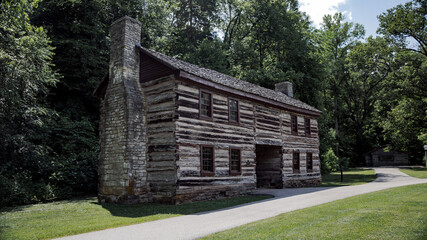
x=406, y=22
x=193, y=22
x=370, y=65
x=404, y=116
x=79, y=32
x=268, y=42
x=25, y=77
x=337, y=38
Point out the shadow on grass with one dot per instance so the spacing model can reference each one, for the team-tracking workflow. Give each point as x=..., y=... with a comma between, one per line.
x=350, y=178
x=54, y=202
x=417, y=172
x=419, y=169
x=202, y=207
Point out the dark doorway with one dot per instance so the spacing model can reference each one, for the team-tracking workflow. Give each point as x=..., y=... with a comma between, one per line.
x=269, y=166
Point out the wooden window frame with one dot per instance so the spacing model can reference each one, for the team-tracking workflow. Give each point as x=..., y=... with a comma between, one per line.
x=238, y=111
x=306, y=161
x=204, y=173
x=307, y=133
x=233, y=172
x=296, y=124
x=200, y=105
x=294, y=170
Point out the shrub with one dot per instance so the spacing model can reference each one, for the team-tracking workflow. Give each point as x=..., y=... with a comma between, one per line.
x=329, y=162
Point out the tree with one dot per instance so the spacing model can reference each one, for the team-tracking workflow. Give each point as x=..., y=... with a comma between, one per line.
x=336, y=41
x=369, y=65
x=406, y=21
x=25, y=75
x=269, y=42
x=193, y=22
x=404, y=113
x=79, y=33
x=403, y=117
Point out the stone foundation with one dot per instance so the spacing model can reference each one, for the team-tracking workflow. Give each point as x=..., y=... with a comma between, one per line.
x=212, y=193
x=123, y=199
x=297, y=183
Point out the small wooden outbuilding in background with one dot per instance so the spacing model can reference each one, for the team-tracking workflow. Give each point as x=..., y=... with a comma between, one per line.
x=379, y=157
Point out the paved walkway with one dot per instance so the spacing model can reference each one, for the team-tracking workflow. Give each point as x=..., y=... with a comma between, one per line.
x=286, y=200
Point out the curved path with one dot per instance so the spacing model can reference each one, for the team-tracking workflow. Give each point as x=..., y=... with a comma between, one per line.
x=286, y=200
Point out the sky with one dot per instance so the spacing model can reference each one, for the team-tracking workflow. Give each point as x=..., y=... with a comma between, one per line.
x=364, y=12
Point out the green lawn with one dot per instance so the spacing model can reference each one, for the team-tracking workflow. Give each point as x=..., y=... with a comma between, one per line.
x=415, y=172
x=44, y=221
x=351, y=177
x=398, y=213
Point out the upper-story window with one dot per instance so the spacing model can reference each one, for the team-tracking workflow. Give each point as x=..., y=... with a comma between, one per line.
x=205, y=104
x=309, y=159
x=207, y=161
x=235, y=162
x=307, y=126
x=233, y=110
x=295, y=161
x=294, y=124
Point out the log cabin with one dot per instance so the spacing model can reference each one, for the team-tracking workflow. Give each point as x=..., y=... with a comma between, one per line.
x=381, y=156
x=173, y=132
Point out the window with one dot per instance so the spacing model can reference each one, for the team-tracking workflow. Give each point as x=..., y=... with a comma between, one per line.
x=207, y=161
x=307, y=126
x=233, y=110
x=309, y=159
x=389, y=158
x=295, y=160
x=294, y=124
x=235, y=162
x=205, y=105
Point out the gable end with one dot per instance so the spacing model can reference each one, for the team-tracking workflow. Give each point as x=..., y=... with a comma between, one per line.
x=151, y=68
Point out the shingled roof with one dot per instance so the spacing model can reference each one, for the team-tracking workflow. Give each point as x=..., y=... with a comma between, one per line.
x=228, y=81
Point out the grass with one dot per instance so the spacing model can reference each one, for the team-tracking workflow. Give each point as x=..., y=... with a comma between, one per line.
x=351, y=177
x=415, y=172
x=397, y=213
x=63, y=218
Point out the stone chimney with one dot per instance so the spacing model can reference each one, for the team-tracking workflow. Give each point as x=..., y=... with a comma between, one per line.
x=285, y=88
x=122, y=157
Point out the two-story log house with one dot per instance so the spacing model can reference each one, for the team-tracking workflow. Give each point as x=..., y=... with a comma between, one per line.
x=175, y=132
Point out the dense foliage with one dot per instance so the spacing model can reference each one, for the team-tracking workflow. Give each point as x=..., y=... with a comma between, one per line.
x=25, y=75
x=52, y=54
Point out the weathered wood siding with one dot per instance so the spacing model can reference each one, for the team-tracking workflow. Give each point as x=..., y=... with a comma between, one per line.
x=390, y=158
x=161, y=146
x=259, y=125
x=192, y=132
x=302, y=144
x=267, y=125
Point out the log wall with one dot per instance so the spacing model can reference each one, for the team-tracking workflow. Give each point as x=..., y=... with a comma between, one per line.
x=259, y=125
x=302, y=144
x=192, y=132
x=161, y=146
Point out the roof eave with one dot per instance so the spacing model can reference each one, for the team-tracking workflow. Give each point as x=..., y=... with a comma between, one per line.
x=206, y=83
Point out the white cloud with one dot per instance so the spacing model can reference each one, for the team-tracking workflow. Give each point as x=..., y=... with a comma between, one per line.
x=348, y=15
x=316, y=9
